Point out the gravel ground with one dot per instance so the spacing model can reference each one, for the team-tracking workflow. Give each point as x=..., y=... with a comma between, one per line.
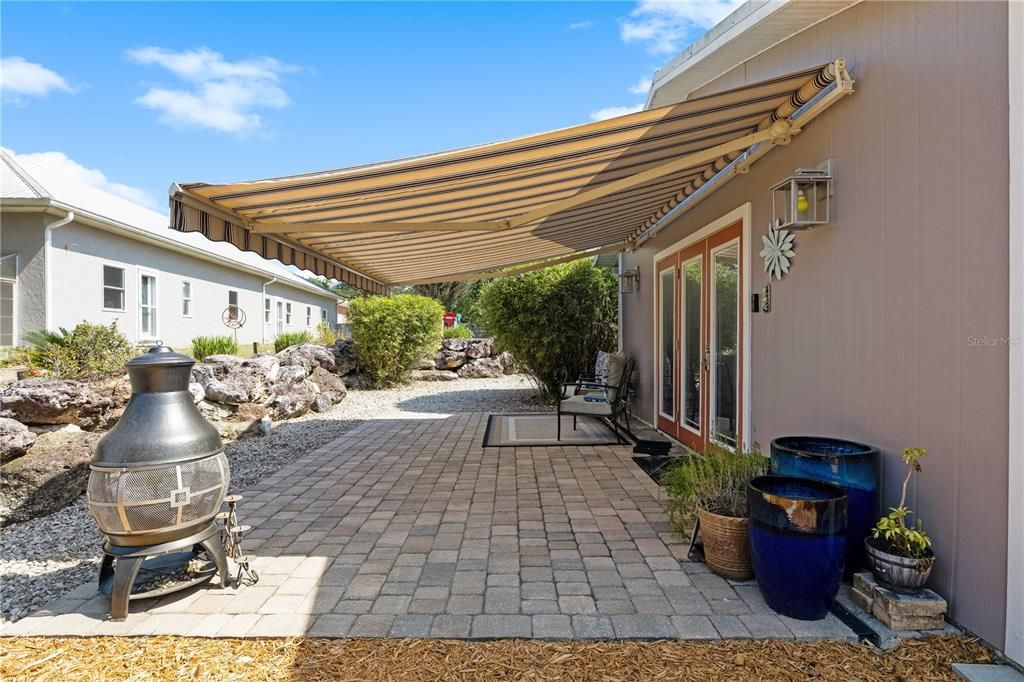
x=44, y=558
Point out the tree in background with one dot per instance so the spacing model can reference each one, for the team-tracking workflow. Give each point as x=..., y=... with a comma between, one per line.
x=553, y=321
x=447, y=293
x=339, y=289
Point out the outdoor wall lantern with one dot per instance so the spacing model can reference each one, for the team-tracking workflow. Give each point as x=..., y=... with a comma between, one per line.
x=629, y=281
x=803, y=200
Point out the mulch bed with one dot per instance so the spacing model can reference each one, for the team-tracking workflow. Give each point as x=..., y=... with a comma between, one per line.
x=175, y=658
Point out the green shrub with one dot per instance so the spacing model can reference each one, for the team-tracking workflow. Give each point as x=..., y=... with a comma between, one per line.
x=460, y=332
x=554, y=321
x=205, y=346
x=715, y=481
x=285, y=339
x=88, y=350
x=326, y=335
x=392, y=334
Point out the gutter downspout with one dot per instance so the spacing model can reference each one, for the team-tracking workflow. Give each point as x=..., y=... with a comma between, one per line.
x=263, y=311
x=48, y=268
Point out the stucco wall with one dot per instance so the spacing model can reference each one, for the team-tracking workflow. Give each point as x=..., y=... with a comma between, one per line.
x=80, y=252
x=890, y=328
x=22, y=233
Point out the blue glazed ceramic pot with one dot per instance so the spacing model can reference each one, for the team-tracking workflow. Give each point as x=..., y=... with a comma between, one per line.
x=797, y=543
x=849, y=465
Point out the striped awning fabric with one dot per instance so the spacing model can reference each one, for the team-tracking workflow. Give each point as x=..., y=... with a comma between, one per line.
x=471, y=212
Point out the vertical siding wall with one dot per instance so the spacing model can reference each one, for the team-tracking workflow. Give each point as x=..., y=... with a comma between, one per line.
x=22, y=233
x=891, y=326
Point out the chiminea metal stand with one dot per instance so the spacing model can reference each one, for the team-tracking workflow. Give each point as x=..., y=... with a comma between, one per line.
x=121, y=566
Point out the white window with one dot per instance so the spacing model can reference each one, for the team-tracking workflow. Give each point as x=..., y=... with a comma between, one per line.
x=323, y=314
x=232, y=305
x=309, y=316
x=113, y=288
x=8, y=299
x=147, y=306
x=288, y=313
x=186, y=298
x=266, y=310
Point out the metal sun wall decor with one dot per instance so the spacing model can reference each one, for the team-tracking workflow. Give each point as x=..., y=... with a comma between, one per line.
x=778, y=250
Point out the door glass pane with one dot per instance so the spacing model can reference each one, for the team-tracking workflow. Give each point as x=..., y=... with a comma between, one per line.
x=692, y=285
x=725, y=401
x=668, y=325
x=147, y=305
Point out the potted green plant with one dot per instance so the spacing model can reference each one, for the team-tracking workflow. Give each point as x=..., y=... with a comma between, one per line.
x=713, y=488
x=899, y=552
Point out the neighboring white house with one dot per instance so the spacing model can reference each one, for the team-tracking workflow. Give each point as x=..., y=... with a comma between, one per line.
x=70, y=252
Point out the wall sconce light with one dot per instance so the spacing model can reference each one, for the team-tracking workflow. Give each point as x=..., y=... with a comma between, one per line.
x=629, y=281
x=803, y=200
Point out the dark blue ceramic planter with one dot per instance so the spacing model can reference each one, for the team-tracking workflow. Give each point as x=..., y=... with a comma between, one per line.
x=797, y=543
x=849, y=465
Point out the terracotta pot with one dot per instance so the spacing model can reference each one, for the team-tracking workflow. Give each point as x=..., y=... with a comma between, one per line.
x=900, y=573
x=726, y=545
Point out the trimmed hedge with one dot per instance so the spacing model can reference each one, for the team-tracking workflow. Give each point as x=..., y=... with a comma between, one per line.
x=391, y=334
x=205, y=346
x=553, y=321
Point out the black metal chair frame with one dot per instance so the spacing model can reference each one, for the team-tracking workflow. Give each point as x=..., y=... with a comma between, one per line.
x=619, y=406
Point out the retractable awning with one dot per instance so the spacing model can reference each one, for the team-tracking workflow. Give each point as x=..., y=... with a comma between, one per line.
x=471, y=212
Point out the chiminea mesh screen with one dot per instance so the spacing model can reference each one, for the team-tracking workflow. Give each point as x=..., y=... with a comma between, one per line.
x=157, y=498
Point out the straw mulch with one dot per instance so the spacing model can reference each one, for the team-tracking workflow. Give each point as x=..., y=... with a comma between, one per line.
x=363, y=660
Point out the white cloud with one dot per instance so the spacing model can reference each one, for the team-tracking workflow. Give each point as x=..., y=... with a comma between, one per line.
x=19, y=77
x=62, y=164
x=664, y=24
x=581, y=25
x=642, y=86
x=612, y=112
x=222, y=95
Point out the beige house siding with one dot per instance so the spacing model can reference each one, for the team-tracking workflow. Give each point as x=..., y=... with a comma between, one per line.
x=889, y=329
x=22, y=234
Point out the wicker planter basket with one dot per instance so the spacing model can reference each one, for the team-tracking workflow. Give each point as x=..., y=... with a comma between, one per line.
x=726, y=545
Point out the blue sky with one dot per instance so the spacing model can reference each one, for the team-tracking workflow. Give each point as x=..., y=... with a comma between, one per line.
x=131, y=97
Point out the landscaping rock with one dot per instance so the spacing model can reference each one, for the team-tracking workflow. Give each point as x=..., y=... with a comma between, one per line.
x=358, y=381
x=197, y=391
x=480, y=348
x=50, y=476
x=483, y=368
x=433, y=375
x=53, y=401
x=247, y=421
x=345, y=361
x=15, y=439
x=291, y=374
x=508, y=363
x=449, y=359
x=292, y=400
x=322, y=403
x=330, y=385
x=224, y=392
x=308, y=356
x=454, y=344
x=266, y=364
x=426, y=362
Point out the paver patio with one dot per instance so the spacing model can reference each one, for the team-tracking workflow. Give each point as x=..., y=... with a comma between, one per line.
x=410, y=528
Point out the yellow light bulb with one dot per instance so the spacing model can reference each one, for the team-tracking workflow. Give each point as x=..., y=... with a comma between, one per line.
x=801, y=202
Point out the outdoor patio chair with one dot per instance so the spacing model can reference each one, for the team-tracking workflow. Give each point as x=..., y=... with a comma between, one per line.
x=604, y=400
x=590, y=383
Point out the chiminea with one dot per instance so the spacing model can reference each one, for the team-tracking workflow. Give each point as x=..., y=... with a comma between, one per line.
x=157, y=483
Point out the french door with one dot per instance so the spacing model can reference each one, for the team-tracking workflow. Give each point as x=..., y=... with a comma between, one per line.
x=700, y=341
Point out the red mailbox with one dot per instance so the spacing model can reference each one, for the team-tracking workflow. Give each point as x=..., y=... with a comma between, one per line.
x=449, y=319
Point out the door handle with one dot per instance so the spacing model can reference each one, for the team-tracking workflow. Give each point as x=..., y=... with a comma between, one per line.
x=707, y=358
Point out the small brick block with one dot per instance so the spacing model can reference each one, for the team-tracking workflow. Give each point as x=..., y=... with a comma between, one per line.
x=863, y=601
x=865, y=582
x=922, y=604
x=902, y=623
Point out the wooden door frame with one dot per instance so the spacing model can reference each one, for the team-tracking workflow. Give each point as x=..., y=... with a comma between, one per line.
x=742, y=215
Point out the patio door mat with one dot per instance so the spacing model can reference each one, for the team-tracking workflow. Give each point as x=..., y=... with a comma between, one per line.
x=522, y=430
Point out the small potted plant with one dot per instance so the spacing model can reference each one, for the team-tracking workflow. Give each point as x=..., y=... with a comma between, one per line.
x=713, y=487
x=899, y=552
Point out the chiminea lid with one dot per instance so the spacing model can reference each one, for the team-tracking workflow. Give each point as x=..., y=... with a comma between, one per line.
x=161, y=356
